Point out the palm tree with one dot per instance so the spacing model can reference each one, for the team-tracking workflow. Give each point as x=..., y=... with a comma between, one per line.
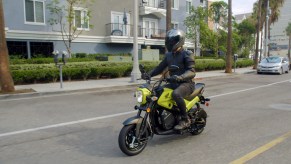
x=228, y=68
x=288, y=32
x=6, y=81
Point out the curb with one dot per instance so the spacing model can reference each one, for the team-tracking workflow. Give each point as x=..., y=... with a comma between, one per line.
x=103, y=90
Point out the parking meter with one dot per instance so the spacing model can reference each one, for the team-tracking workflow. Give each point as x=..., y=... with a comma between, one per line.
x=56, y=56
x=60, y=65
x=235, y=59
x=64, y=57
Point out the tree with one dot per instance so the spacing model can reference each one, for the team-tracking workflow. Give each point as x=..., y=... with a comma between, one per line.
x=228, y=68
x=217, y=11
x=65, y=16
x=194, y=22
x=288, y=33
x=246, y=29
x=6, y=81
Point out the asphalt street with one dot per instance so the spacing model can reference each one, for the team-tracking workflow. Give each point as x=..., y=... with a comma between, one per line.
x=249, y=121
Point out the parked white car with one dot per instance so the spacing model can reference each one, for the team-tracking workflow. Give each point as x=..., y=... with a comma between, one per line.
x=273, y=64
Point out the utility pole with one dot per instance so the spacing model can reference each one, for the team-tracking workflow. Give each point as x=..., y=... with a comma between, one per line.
x=168, y=15
x=266, y=47
x=258, y=34
x=228, y=68
x=135, y=74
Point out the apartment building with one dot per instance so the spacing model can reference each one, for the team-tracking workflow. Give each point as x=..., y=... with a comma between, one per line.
x=278, y=34
x=239, y=18
x=29, y=34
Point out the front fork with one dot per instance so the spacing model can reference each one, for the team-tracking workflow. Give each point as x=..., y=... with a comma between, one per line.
x=142, y=123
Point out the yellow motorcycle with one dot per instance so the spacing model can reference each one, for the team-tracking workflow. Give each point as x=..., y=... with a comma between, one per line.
x=157, y=113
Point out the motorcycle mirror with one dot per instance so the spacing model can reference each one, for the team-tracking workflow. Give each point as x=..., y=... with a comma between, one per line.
x=141, y=68
x=173, y=68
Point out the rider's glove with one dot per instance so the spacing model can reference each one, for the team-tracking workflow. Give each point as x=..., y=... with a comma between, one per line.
x=176, y=78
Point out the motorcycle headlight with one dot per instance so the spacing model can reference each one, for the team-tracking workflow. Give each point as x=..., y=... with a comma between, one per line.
x=138, y=95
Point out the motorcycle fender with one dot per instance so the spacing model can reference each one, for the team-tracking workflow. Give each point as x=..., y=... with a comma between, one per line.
x=133, y=120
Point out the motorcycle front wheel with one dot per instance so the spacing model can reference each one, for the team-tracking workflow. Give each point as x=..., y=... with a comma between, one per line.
x=200, y=122
x=128, y=142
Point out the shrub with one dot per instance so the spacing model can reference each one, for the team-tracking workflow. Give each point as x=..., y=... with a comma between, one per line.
x=244, y=63
x=81, y=55
x=32, y=73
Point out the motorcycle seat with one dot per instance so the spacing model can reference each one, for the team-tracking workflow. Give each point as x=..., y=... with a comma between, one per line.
x=198, y=88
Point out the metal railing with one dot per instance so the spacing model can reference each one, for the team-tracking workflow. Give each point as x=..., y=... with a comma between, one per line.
x=155, y=3
x=153, y=33
x=118, y=29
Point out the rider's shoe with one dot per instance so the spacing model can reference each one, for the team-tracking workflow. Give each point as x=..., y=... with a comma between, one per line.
x=183, y=124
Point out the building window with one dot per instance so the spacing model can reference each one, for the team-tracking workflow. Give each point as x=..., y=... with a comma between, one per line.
x=34, y=11
x=17, y=49
x=81, y=19
x=188, y=6
x=175, y=25
x=175, y=4
x=41, y=49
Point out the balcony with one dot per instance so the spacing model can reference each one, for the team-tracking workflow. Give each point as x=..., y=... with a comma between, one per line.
x=118, y=29
x=155, y=7
x=152, y=33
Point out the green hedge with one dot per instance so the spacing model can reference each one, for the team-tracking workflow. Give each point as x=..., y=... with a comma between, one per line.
x=46, y=60
x=34, y=73
x=244, y=63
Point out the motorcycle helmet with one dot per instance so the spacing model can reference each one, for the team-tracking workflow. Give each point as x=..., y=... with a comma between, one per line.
x=174, y=40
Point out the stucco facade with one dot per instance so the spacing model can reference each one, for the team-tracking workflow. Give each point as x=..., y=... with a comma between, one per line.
x=108, y=34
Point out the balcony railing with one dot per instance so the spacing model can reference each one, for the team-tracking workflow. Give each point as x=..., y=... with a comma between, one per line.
x=156, y=4
x=153, y=33
x=117, y=29
x=155, y=7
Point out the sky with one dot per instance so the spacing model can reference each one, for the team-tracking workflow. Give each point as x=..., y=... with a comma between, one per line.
x=242, y=6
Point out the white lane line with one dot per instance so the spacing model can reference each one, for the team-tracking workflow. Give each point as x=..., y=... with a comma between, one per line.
x=61, y=94
x=116, y=115
x=64, y=124
x=244, y=90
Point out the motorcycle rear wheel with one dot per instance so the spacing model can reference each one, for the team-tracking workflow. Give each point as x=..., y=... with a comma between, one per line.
x=125, y=140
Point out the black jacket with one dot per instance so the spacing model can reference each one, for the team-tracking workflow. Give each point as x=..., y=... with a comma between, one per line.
x=183, y=59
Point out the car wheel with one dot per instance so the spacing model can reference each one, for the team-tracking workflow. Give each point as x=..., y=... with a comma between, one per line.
x=259, y=72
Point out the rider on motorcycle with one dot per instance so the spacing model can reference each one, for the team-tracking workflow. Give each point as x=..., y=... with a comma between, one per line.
x=181, y=79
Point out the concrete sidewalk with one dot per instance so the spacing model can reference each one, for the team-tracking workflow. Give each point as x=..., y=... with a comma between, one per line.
x=49, y=88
